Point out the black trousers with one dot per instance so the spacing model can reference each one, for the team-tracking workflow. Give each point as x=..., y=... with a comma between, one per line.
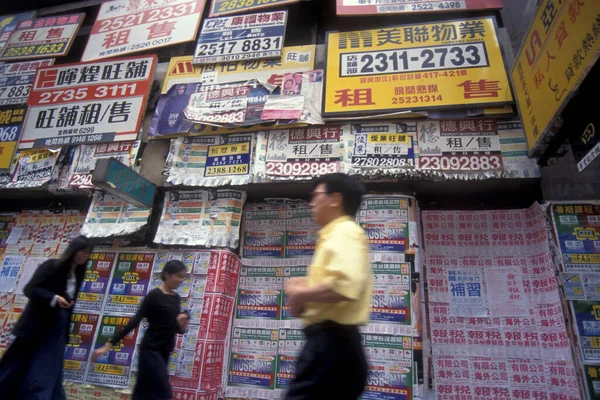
x=332, y=364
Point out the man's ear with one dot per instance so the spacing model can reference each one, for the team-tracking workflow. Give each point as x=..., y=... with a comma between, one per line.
x=337, y=199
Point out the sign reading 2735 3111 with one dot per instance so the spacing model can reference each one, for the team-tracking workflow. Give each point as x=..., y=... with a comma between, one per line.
x=412, y=67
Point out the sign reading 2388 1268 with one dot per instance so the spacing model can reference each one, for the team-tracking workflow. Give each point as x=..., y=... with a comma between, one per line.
x=412, y=67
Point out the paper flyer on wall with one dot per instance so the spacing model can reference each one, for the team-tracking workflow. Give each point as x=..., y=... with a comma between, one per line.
x=391, y=293
x=27, y=271
x=291, y=342
x=71, y=231
x=587, y=320
x=592, y=381
x=82, y=331
x=49, y=235
x=109, y=215
x=286, y=311
x=10, y=267
x=224, y=276
x=87, y=155
x=34, y=168
x=215, y=160
x=112, y=369
x=95, y=283
x=7, y=222
x=581, y=286
x=129, y=282
x=259, y=295
x=385, y=221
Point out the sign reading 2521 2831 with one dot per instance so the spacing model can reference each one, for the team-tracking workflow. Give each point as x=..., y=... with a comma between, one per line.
x=450, y=63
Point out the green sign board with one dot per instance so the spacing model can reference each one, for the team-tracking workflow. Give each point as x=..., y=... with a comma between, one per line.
x=118, y=179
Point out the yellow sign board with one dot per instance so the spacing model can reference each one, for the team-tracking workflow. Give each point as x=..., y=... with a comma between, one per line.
x=293, y=59
x=415, y=67
x=563, y=42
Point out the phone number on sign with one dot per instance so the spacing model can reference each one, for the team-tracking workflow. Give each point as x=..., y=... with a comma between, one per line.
x=229, y=6
x=466, y=163
x=414, y=60
x=302, y=168
x=238, y=46
x=381, y=162
x=34, y=50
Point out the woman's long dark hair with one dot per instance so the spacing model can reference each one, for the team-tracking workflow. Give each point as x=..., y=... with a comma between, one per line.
x=77, y=244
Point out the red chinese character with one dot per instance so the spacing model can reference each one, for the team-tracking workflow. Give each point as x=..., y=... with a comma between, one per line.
x=356, y=97
x=26, y=36
x=73, y=19
x=46, y=79
x=561, y=33
x=278, y=16
x=575, y=9
x=50, y=22
x=115, y=39
x=55, y=33
x=250, y=19
x=538, y=78
x=62, y=20
x=264, y=18
x=161, y=29
x=237, y=21
x=481, y=88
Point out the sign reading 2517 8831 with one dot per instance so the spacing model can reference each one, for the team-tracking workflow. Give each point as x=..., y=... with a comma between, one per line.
x=88, y=102
x=42, y=37
x=412, y=67
x=244, y=37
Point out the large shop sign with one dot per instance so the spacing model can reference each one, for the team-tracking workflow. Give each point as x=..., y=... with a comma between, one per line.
x=413, y=67
x=88, y=102
x=562, y=44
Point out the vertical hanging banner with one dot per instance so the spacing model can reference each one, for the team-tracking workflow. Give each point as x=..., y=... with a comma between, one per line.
x=466, y=145
x=16, y=80
x=113, y=368
x=412, y=67
x=374, y=7
x=11, y=124
x=126, y=26
x=225, y=7
x=95, y=282
x=79, y=348
x=8, y=23
x=88, y=102
x=129, y=283
x=561, y=46
x=42, y=37
x=246, y=37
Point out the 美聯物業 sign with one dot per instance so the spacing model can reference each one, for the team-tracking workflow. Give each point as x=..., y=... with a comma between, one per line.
x=244, y=37
x=413, y=67
x=376, y=7
x=88, y=102
x=562, y=44
x=42, y=37
x=124, y=26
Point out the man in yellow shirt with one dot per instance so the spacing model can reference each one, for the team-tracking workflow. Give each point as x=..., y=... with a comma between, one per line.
x=335, y=298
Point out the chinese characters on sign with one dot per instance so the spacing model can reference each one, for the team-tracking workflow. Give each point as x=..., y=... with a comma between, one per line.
x=88, y=102
x=8, y=23
x=577, y=228
x=11, y=123
x=42, y=37
x=452, y=63
x=16, y=80
x=466, y=145
x=562, y=43
x=244, y=37
x=374, y=7
x=225, y=7
x=125, y=26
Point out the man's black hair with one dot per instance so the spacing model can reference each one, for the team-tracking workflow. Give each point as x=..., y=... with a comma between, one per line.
x=348, y=186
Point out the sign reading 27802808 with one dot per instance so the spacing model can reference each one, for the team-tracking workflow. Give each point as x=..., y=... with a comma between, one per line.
x=88, y=102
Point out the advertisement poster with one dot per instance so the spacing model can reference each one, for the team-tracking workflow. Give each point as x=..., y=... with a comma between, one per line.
x=42, y=37
x=465, y=145
x=82, y=331
x=390, y=367
x=592, y=381
x=34, y=168
x=108, y=216
x=11, y=125
x=303, y=152
x=558, y=50
x=112, y=369
x=88, y=102
x=48, y=236
x=224, y=277
x=247, y=37
x=88, y=154
x=291, y=342
x=214, y=160
x=300, y=232
x=253, y=358
x=378, y=148
x=22, y=235
x=16, y=80
x=581, y=286
x=8, y=23
x=168, y=117
x=385, y=221
x=129, y=282
x=466, y=293
x=71, y=230
x=290, y=272
x=10, y=267
x=373, y=7
x=577, y=227
x=95, y=282
x=124, y=26
x=264, y=233
x=259, y=293
x=7, y=222
x=414, y=67
x=225, y=7
x=587, y=318
x=391, y=293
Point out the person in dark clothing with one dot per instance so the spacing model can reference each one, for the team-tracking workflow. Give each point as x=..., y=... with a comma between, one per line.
x=32, y=367
x=161, y=308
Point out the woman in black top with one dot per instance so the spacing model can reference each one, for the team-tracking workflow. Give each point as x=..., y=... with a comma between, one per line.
x=33, y=364
x=161, y=308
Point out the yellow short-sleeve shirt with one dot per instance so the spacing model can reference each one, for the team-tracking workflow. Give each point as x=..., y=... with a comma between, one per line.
x=341, y=261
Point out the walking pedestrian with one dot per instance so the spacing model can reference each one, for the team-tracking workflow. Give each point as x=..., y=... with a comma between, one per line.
x=32, y=367
x=161, y=308
x=335, y=297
